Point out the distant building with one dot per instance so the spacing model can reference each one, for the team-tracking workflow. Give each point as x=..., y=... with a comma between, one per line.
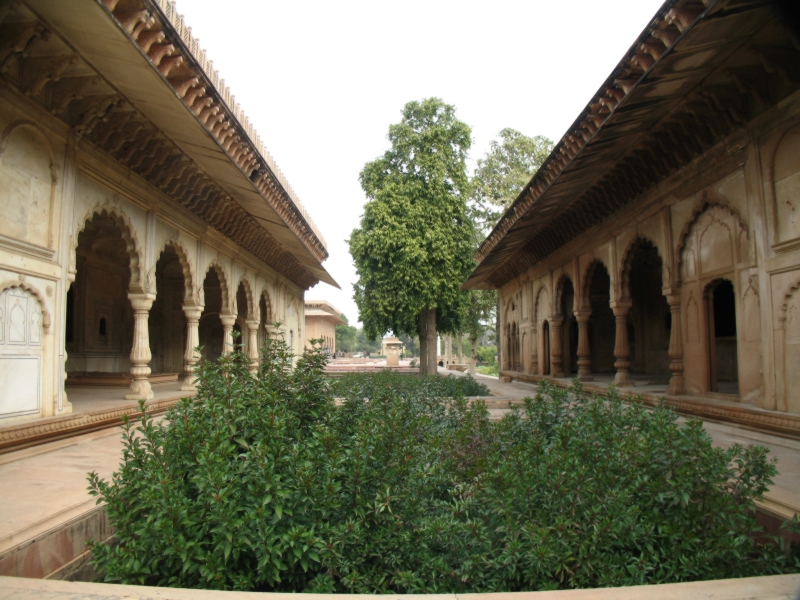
x=322, y=317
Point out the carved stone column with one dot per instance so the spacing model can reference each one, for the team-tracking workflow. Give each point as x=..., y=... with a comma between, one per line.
x=584, y=351
x=252, y=345
x=556, y=349
x=534, y=352
x=140, y=353
x=228, y=322
x=191, y=356
x=622, y=350
x=677, y=385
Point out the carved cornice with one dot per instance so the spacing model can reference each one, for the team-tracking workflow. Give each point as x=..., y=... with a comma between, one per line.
x=41, y=66
x=638, y=132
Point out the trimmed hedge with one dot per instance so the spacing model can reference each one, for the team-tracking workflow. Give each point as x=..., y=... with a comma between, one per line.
x=265, y=484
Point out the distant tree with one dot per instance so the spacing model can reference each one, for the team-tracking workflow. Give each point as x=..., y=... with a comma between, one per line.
x=414, y=246
x=366, y=344
x=410, y=344
x=500, y=175
x=480, y=311
x=345, y=338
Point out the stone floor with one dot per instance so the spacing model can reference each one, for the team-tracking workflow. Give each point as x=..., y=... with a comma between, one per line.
x=91, y=398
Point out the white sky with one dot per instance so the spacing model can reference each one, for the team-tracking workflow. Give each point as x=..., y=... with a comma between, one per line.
x=322, y=81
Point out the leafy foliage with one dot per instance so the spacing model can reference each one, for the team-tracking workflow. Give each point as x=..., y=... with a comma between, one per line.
x=265, y=483
x=367, y=385
x=502, y=174
x=346, y=338
x=413, y=247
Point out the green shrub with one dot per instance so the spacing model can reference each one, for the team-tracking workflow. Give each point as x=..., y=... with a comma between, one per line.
x=264, y=483
x=490, y=370
x=364, y=385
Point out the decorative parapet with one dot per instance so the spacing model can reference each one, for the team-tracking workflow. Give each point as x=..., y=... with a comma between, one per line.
x=662, y=34
x=161, y=33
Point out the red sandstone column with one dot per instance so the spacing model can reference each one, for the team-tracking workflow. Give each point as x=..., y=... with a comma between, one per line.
x=622, y=350
x=584, y=352
x=677, y=385
x=556, y=349
x=191, y=356
x=140, y=352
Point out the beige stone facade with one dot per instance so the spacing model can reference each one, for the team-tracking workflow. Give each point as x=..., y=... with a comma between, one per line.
x=142, y=216
x=321, y=318
x=660, y=242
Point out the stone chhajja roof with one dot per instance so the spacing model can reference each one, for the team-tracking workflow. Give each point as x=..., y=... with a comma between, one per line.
x=699, y=71
x=128, y=77
x=323, y=308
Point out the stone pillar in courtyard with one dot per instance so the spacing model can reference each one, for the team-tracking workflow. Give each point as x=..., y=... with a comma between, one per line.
x=392, y=346
x=228, y=322
x=622, y=349
x=252, y=345
x=140, y=352
x=460, y=349
x=556, y=348
x=534, y=351
x=677, y=385
x=448, y=349
x=584, y=350
x=191, y=356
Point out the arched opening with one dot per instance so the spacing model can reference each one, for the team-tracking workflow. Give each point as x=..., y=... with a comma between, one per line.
x=545, y=360
x=265, y=317
x=649, y=320
x=722, y=348
x=210, y=328
x=242, y=313
x=99, y=318
x=167, y=321
x=514, y=348
x=601, y=322
x=569, y=328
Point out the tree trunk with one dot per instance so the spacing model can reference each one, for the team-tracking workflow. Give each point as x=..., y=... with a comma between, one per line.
x=474, y=358
x=427, y=342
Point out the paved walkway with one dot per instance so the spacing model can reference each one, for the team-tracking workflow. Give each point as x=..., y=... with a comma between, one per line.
x=783, y=499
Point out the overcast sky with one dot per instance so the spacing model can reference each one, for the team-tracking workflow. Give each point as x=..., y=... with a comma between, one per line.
x=322, y=81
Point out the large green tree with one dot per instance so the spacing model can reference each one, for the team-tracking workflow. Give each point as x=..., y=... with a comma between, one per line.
x=502, y=173
x=413, y=248
x=346, y=338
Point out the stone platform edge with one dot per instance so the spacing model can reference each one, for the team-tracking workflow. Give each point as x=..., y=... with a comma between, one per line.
x=21, y=435
x=759, y=419
x=775, y=587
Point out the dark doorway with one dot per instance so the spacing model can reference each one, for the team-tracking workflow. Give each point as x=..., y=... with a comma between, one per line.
x=649, y=340
x=167, y=321
x=210, y=328
x=723, y=351
x=602, y=326
x=569, y=328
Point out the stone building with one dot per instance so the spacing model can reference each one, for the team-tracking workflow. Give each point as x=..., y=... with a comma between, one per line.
x=321, y=320
x=659, y=244
x=141, y=214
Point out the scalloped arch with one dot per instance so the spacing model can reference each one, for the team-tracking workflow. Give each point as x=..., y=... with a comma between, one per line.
x=627, y=262
x=223, y=283
x=186, y=265
x=588, y=273
x=268, y=302
x=787, y=295
x=23, y=285
x=705, y=203
x=556, y=308
x=541, y=289
x=244, y=281
x=123, y=223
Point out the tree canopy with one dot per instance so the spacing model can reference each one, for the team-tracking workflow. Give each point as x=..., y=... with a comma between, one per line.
x=503, y=172
x=414, y=246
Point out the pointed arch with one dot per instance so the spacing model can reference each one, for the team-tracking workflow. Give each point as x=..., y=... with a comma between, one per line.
x=264, y=295
x=562, y=279
x=32, y=290
x=538, y=299
x=186, y=265
x=787, y=296
x=244, y=281
x=627, y=262
x=705, y=203
x=132, y=245
x=588, y=273
x=223, y=283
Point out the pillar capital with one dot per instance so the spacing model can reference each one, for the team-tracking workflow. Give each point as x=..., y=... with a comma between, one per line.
x=141, y=301
x=228, y=320
x=621, y=307
x=193, y=313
